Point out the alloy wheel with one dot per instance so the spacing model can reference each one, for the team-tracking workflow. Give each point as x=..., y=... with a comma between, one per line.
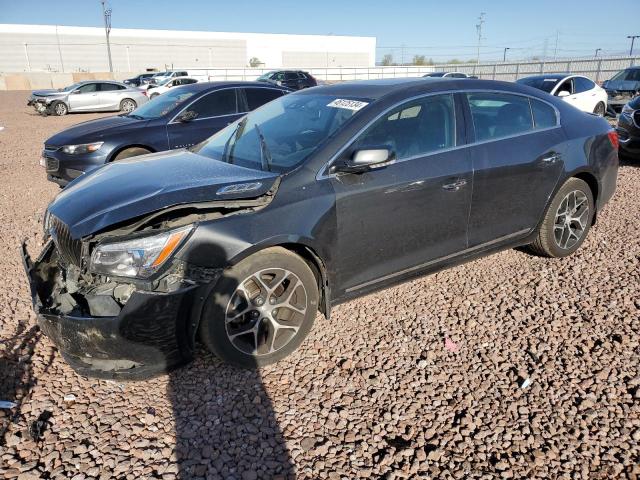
x=266, y=311
x=571, y=219
x=128, y=106
x=599, y=110
x=60, y=109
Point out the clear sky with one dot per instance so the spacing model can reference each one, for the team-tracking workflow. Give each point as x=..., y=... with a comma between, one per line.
x=440, y=30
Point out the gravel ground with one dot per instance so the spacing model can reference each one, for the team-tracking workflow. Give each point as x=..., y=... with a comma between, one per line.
x=375, y=393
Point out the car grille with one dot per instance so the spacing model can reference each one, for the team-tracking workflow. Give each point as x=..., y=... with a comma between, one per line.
x=70, y=250
x=52, y=164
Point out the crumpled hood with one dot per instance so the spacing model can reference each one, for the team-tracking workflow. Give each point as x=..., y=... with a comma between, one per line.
x=141, y=185
x=51, y=92
x=628, y=85
x=93, y=130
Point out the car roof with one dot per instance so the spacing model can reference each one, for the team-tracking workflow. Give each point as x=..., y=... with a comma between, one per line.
x=556, y=76
x=200, y=86
x=375, y=89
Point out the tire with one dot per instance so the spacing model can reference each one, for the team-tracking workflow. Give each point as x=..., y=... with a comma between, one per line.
x=130, y=152
x=59, y=108
x=241, y=332
x=600, y=109
x=128, y=105
x=557, y=226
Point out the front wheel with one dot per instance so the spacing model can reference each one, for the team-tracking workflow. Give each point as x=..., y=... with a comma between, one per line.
x=261, y=309
x=59, y=109
x=567, y=220
x=600, y=109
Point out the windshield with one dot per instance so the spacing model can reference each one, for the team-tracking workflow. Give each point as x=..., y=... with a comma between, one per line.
x=629, y=75
x=541, y=83
x=70, y=87
x=437, y=74
x=283, y=133
x=161, y=105
x=265, y=76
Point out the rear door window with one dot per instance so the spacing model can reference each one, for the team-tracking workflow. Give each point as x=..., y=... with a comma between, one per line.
x=110, y=87
x=497, y=115
x=544, y=115
x=291, y=76
x=215, y=104
x=415, y=128
x=581, y=84
x=256, y=97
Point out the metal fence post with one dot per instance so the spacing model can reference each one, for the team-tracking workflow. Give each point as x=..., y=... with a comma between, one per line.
x=494, y=72
x=517, y=70
x=541, y=67
x=599, y=68
x=569, y=66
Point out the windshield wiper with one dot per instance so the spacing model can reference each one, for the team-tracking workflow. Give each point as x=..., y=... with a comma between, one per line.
x=227, y=154
x=265, y=154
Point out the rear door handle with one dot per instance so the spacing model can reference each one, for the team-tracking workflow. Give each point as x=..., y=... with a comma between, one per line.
x=457, y=185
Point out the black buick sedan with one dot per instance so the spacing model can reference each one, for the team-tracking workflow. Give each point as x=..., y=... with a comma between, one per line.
x=180, y=118
x=317, y=197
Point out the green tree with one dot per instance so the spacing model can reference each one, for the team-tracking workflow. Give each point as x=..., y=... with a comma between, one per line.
x=387, y=60
x=255, y=62
x=419, y=60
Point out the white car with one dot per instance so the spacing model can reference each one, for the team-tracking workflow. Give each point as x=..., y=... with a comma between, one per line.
x=154, y=90
x=576, y=90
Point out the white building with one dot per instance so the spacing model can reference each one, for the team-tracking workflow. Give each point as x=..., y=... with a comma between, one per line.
x=37, y=48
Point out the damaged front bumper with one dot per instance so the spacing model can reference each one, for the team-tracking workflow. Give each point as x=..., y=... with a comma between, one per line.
x=152, y=333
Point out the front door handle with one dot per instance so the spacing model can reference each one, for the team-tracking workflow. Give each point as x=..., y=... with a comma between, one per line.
x=457, y=185
x=550, y=158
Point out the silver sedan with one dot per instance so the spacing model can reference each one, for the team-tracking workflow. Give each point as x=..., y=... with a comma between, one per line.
x=88, y=96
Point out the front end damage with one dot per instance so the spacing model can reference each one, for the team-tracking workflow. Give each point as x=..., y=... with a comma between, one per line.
x=617, y=99
x=124, y=328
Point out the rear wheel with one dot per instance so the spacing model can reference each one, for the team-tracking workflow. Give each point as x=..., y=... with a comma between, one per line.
x=127, y=105
x=261, y=309
x=59, y=108
x=130, y=152
x=600, y=109
x=567, y=220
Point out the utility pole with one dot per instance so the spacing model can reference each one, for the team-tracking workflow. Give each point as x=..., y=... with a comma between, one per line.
x=479, y=30
x=633, y=39
x=504, y=55
x=597, y=50
x=555, y=51
x=402, y=54
x=106, y=13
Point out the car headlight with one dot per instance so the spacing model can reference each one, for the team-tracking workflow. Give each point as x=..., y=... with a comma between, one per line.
x=82, y=148
x=627, y=109
x=139, y=257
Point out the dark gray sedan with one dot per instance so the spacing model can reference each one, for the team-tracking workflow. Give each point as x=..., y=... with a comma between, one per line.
x=88, y=96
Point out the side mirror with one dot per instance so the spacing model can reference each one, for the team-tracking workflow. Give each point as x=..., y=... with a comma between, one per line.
x=563, y=93
x=187, y=116
x=76, y=92
x=366, y=159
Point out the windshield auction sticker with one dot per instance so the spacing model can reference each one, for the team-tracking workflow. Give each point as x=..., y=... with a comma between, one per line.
x=354, y=105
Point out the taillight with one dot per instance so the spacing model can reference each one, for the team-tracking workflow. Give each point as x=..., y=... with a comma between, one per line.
x=613, y=138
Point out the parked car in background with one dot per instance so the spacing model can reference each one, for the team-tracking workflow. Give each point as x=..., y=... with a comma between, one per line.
x=448, y=75
x=154, y=90
x=622, y=87
x=162, y=77
x=576, y=90
x=138, y=80
x=316, y=198
x=88, y=96
x=629, y=128
x=293, y=79
x=180, y=118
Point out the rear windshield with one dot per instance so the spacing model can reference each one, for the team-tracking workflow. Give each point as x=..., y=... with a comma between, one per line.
x=541, y=83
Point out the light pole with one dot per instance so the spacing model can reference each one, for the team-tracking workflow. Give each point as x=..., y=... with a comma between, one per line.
x=633, y=39
x=479, y=30
x=504, y=55
x=106, y=13
x=597, y=50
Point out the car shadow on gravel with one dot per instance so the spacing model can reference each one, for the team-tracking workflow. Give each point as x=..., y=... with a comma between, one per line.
x=17, y=378
x=629, y=161
x=225, y=423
